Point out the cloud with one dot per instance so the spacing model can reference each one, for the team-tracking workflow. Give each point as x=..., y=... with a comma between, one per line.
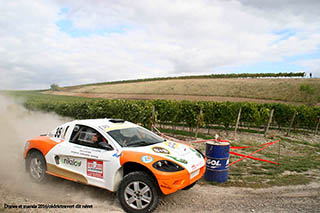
x=305, y=9
x=78, y=41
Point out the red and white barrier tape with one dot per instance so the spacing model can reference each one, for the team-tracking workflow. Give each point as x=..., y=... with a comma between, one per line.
x=249, y=156
x=265, y=145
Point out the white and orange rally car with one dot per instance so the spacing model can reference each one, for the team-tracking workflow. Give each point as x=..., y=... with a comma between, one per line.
x=116, y=155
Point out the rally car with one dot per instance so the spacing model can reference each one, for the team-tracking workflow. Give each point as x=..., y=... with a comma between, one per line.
x=116, y=155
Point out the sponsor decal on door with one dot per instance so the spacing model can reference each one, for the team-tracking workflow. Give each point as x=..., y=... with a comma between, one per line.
x=95, y=168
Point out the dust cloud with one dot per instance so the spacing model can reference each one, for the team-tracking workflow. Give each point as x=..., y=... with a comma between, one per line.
x=17, y=125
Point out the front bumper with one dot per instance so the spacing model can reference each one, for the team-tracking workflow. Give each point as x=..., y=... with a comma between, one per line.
x=171, y=183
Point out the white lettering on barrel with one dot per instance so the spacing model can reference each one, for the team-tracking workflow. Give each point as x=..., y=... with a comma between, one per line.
x=214, y=163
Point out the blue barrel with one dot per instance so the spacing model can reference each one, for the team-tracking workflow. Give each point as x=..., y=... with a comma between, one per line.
x=217, y=161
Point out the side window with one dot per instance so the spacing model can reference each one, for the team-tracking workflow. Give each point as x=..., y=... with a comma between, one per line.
x=86, y=136
x=65, y=132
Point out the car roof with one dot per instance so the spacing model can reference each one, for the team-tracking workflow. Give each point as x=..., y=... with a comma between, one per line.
x=105, y=123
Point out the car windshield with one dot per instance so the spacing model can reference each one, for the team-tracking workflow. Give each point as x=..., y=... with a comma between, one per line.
x=135, y=137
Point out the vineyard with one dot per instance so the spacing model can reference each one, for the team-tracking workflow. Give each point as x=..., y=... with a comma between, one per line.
x=190, y=114
x=299, y=156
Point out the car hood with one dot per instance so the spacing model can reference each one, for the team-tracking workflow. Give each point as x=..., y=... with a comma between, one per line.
x=182, y=154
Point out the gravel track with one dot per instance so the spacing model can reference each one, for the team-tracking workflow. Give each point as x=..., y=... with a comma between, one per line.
x=201, y=198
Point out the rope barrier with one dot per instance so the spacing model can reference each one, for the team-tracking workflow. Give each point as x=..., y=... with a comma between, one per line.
x=259, y=159
x=265, y=145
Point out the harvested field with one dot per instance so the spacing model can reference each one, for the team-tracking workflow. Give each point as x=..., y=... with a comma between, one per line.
x=235, y=90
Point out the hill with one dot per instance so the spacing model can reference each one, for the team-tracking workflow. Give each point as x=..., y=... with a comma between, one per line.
x=210, y=89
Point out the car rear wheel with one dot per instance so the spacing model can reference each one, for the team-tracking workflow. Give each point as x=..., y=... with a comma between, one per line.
x=138, y=192
x=37, y=167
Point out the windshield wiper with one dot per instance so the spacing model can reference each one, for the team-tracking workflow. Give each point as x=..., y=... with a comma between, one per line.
x=142, y=143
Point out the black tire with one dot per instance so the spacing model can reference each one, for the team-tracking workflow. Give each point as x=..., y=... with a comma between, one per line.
x=37, y=167
x=138, y=192
x=190, y=186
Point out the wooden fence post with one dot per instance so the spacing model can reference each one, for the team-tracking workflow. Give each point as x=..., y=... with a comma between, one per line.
x=269, y=123
x=279, y=153
x=291, y=122
x=153, y=119
x=198, y=123
x=237, y=123
x=315, y=132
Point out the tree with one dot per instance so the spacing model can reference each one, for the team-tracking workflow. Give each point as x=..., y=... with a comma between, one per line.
x=54, y=87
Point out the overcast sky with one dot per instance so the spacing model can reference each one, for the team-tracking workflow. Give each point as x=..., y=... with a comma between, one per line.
x=69, y=42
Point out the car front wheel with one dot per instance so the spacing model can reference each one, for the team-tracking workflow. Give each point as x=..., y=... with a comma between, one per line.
x=37, y=167
x=138, y=192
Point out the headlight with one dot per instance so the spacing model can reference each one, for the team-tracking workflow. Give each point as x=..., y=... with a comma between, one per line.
x=167, y=166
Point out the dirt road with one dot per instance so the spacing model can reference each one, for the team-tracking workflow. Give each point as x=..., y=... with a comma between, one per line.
x=205, y=198
x=17, y=190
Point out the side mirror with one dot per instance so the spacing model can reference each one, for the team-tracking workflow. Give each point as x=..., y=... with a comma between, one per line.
x=104, y=145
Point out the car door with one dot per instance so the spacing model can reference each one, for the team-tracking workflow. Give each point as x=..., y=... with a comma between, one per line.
x=80, y=159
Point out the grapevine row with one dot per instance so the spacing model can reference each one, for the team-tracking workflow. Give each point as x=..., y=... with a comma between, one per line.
x=187, y=112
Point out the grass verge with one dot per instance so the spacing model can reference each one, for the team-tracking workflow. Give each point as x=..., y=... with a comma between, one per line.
x=299, y=163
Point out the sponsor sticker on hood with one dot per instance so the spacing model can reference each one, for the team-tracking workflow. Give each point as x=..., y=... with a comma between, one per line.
x=181, y=160
x=161, y=150
x=171, y=144
x=179, y=149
